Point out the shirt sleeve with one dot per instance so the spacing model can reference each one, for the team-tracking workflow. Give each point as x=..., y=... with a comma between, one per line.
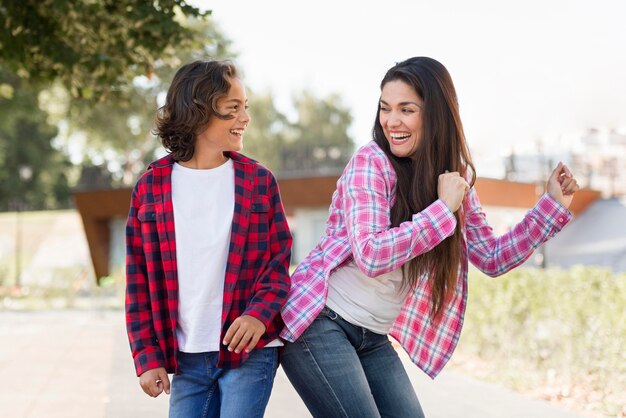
x=496, y=255
x=273, y=285
x=377, y=248
x=143, y=343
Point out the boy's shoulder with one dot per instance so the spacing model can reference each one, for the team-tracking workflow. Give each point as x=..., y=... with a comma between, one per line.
x=259, y=169
x=165, y=161
x=168, y=161
x=145, y=180
x=241, y=158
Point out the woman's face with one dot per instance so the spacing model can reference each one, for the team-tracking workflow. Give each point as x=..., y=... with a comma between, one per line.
x=401, y=117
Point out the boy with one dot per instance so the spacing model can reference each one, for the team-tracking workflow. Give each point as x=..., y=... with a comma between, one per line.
x=208, y=250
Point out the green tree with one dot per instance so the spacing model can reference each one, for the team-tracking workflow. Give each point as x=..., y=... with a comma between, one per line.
x=317, y=142
x=92, y=46
x=33, y=173
x=118, y=131
x=267, y=133
x=320, y=141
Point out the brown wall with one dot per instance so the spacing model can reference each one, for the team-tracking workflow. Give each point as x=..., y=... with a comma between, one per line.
x=96, y=210
x=99, y=207
x=311, y=192
x=493, y=192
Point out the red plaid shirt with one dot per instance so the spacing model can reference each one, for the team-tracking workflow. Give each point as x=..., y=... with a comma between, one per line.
x=257, y=277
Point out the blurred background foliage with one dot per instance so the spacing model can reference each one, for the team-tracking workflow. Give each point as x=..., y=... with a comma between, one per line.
x=80, y=82
x=92, y=47
x=555, y=333
x=32, y=171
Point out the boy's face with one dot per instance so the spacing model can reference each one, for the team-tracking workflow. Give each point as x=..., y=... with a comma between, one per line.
x=227, y=135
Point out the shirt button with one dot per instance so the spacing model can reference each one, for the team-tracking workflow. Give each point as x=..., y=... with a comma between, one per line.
x=561, y=220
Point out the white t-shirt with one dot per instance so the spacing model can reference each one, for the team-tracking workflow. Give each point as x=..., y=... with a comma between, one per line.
x=369, y=302
x=204, y=202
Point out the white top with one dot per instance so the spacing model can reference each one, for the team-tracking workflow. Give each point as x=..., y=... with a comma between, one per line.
x=369, y=302
x=204, y=202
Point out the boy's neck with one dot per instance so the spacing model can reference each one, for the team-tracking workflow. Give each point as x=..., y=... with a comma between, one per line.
x=204, y=159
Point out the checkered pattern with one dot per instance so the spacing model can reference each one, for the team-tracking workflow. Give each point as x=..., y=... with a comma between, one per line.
x=359, y=228
x=257, y=277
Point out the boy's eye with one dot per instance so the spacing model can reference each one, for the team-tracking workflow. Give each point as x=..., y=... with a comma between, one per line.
x=236, y=108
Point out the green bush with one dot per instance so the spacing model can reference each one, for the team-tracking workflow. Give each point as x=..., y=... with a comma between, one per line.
x=560, y=330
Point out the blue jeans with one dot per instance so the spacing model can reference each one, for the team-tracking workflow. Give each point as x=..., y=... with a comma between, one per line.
x=202, y=390
x=342, y=370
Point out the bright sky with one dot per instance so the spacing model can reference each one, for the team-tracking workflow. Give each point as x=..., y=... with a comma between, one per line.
x=523, y=71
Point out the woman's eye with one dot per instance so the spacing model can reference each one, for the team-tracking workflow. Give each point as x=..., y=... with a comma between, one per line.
x=408, y=111
x=384, y=109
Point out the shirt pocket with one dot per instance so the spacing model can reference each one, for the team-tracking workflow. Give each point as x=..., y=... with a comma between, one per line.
x=146, y=213
x=258, y=229
x=147, y=220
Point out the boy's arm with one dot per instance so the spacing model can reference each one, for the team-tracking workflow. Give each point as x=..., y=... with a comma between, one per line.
x=143, y=343
x=273, y=285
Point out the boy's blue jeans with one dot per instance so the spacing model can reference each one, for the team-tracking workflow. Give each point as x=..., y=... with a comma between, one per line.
x=203, y=390
x=342, y=370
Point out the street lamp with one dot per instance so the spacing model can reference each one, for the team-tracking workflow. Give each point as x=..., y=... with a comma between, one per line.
x=25, y=172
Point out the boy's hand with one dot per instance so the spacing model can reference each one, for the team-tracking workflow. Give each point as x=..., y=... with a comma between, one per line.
x=154, y=381
x=245, y=331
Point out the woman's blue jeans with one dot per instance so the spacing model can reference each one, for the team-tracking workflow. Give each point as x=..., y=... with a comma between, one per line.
x=203, y=390
x=342, y=370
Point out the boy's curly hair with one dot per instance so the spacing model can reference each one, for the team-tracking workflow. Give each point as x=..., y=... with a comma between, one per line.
x=191, y=101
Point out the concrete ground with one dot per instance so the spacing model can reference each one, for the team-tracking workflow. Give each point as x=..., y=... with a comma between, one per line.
x=77, y=364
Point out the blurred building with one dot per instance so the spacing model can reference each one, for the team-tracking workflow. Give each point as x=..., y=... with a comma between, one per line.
x=597, y=237
x=306, y=201
x=600, y=157
x=597, y=158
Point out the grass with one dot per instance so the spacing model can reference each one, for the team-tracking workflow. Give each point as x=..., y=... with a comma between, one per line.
x=558, y=334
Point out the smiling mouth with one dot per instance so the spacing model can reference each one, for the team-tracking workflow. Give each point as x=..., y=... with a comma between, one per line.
x=238, y=132
x=400, y=138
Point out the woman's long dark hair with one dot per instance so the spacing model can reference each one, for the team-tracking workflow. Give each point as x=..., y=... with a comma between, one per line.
x=441, y=148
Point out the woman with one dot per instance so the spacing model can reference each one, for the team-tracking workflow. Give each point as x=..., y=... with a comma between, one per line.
x=404, y=222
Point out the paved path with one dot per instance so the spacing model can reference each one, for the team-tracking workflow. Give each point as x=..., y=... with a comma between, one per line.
x=69, y=364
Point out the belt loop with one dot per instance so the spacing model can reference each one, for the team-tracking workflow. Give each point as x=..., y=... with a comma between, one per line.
x=332, y=314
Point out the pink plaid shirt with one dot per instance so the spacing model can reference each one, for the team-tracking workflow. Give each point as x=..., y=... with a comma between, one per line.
x=358, y=228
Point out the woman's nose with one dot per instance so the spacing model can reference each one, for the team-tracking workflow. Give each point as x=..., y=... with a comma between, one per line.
x=393, y=120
